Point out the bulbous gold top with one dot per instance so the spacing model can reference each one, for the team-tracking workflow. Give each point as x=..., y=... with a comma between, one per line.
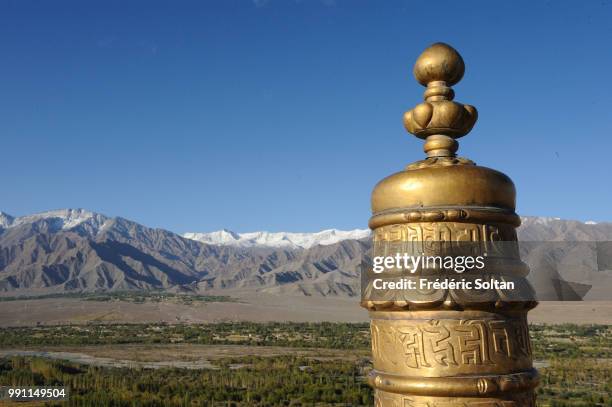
x=439, y=62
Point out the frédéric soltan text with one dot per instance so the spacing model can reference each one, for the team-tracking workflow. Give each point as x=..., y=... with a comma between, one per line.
x=411, y=264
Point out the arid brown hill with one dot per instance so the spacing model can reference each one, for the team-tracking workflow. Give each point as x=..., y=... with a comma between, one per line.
x=76, y=250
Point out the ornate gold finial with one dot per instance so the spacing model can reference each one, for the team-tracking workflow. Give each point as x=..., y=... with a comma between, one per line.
x=439, y=120
x=447, y=347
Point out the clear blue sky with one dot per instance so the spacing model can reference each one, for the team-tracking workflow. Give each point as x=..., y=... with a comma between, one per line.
x=282, y=115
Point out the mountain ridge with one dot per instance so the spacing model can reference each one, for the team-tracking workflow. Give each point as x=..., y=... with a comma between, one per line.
x=79, y=250
x=68, y=218
x=278, y=239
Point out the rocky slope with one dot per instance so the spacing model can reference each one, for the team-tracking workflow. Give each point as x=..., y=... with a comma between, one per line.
x=77, y=250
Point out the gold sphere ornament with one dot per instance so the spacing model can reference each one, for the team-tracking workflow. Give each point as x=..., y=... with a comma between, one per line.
x=439, y=62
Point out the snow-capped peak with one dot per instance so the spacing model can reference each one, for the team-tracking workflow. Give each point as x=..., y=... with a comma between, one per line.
x=219, y=237
x=61, y=219
x=278, y=239
x=540, y=220
x=544, y=220
x=6, y=220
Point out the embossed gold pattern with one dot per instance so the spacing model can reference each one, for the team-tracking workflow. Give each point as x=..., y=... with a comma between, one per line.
x=445, y=348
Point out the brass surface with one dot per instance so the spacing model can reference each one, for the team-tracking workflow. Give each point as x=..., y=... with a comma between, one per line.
x=444, y=185
x=445, y=348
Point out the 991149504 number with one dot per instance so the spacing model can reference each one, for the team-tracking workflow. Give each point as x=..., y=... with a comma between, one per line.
x=33, y=393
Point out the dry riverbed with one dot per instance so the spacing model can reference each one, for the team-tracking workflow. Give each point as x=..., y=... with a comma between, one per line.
x=178, y=356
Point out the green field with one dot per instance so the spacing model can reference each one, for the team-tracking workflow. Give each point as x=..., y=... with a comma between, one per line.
x=577, y=365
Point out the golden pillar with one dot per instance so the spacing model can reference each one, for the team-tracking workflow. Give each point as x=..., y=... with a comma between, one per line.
x=449, y=347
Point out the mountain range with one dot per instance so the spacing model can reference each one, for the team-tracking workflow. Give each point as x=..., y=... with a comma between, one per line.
x=79, y=250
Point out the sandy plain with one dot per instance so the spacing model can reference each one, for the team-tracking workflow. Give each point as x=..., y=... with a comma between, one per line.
x=256, y=307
